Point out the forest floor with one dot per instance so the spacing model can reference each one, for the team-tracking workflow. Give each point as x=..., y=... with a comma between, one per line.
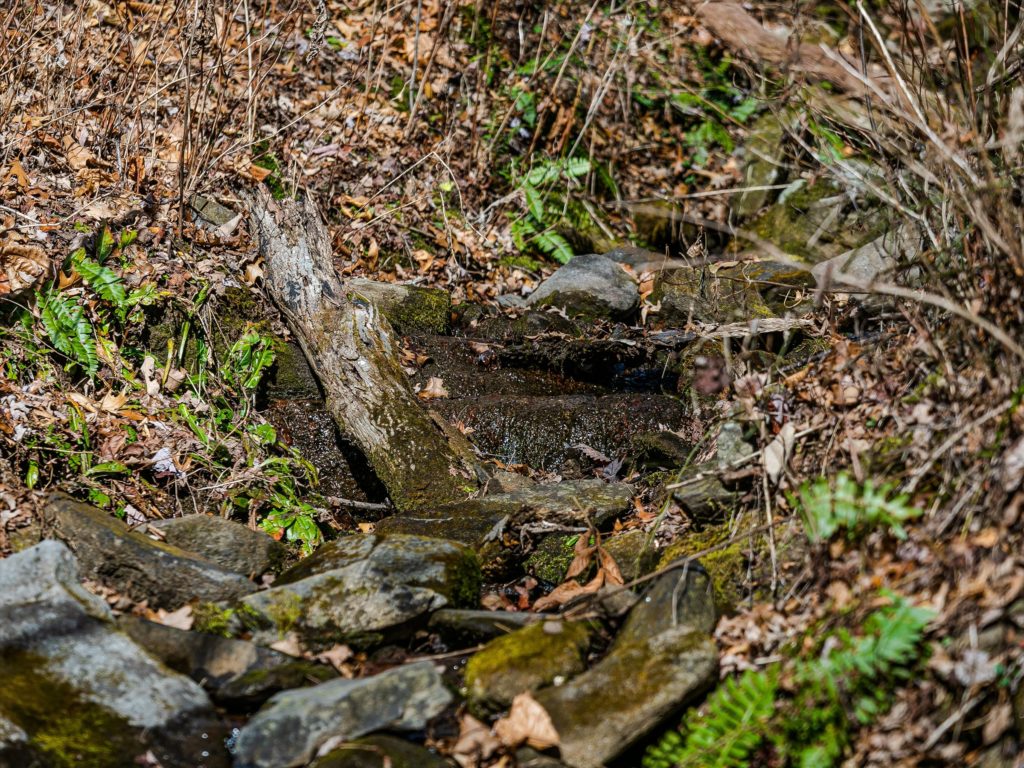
x=472, y=147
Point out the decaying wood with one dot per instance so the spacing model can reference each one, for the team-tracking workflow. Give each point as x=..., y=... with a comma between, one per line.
x=744, y=35
x=352, y=350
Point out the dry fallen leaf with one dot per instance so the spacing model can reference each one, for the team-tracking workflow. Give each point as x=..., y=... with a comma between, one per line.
x=179, y=619
x=527, y=722
x=776, y=454
x=434, y=389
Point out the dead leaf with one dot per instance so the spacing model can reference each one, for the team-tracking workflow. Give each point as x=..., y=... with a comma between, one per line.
x=336, y=656
x=476, y=743
x=78, y=157
x=565, y=592
x=612, y=574
x=289, y=644
x=22, y=267
x=179, y=619
x=17, y=172
x=434, y=389
x=776, y=454
x=527, y=722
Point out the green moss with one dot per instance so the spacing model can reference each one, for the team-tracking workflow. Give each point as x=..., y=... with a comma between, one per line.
x=550, y=560
x=64, y=727
x=526, y=660
x=285, y=610
x=727, y=567
x=213, y=619
x=424, y=310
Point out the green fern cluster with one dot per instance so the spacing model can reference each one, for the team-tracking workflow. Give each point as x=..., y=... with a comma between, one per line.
x=807, y=724
x=533, y=229
x=69, y=325
x=851, y=506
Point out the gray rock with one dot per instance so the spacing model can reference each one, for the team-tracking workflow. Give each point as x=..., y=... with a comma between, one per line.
x=590, y=285
x=871, y=261
x=662, y=660
x=681, y=597
x=604, y=711
x=364, y=589
x=212, y=212
x=472, y=626
x=132, y=563
x=541, y=654
x=230, y=545
x=475, y=521
x=237, y=674
x=293, y=725
x=74, y=690
x=380, y=751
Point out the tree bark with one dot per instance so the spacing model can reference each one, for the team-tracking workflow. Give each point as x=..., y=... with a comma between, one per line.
x=353, y=351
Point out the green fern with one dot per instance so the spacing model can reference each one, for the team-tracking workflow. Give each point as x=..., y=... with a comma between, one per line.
x=851, y=506
x=532, y=229
x=809, y=726
x=103, y=280
x=69, y=330
x=729, y=732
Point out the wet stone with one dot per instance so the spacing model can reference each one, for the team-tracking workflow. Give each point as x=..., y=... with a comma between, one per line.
x=75, y=691
x=363, y=590
x=230, y=545
x=237, y=674
x=132, y=563
x=293, y=725
x=464, y=625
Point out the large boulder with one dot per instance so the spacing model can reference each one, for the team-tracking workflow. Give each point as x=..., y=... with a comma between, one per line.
x=136, y=565
x=237, y=674
x=230, y=545
x=293, y=725
x=590, y=285
x=364, y=589
x=75, y=691
x=663, y=659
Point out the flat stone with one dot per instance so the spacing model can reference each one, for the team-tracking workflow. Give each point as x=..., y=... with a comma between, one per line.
x=230, y=545
x=472, y=626
x=380, y=751
x=132, y=563
x=544, y=653
x=237, y=674
x=293, y=725
x=364, y=589
x=871, y=261
x=591, y=285
x=542, y=431
x=475, y=521
x=75, y=691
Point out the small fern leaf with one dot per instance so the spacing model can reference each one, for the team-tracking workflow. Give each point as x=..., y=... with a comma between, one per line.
x=576, y=167
x=107, y=284
x=555, y=245
x=534, y=202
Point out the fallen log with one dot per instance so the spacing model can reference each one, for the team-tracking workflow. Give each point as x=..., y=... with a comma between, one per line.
x=354, y=353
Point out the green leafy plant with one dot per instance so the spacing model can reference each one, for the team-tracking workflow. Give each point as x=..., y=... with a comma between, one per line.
x=848, y=681
x=852, y=506
x=68, y=329
x=534, y=228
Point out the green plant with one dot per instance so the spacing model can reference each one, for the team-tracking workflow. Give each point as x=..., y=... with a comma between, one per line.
x=534, y=228
x=847, y=681
x=851, y=506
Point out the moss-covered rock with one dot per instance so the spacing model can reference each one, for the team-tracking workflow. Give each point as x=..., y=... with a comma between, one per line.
x=819, y=221
x=763, y=158
x=550, y=560
x=727, y=566
x=364, y=590
x=409, y=308
x=541, y=654
x=590, y=286
x=634, y=553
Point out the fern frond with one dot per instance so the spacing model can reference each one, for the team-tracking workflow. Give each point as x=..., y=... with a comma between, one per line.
x=851, y=506
x=68, y=329
x=103, y=280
